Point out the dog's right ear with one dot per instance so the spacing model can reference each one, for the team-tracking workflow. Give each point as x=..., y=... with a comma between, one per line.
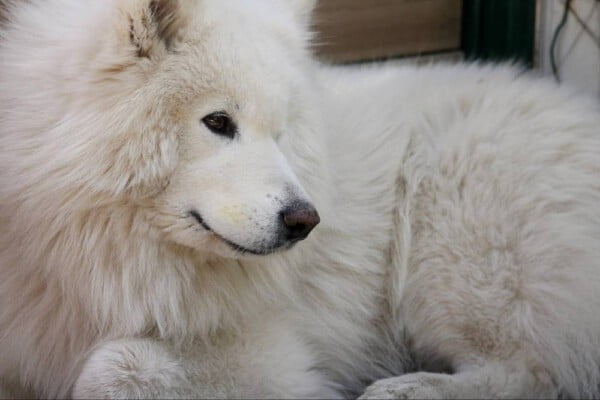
x=150, y=27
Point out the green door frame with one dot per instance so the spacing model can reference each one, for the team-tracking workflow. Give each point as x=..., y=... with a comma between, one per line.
x=497, y=30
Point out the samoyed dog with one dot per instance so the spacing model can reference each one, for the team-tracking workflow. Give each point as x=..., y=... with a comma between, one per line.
x=191, y=206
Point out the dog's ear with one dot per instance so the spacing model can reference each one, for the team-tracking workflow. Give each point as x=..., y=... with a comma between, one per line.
x=153, y=25
x=303, y=8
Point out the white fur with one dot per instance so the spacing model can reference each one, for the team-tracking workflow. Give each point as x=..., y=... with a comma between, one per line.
x=460, y=224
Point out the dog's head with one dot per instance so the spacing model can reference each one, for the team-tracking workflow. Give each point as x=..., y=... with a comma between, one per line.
x=229, y=73
x=185, y=109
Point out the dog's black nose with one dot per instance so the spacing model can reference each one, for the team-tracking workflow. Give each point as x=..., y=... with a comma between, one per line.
x=298, y=220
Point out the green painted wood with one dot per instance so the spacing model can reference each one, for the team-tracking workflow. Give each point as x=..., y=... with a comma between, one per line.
x=499, y=30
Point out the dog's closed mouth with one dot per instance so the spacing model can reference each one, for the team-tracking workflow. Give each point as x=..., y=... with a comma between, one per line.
x=200, y=220
x=241, y=249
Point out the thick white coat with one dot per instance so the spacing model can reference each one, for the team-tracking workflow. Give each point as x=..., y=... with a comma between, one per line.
x=460, y=214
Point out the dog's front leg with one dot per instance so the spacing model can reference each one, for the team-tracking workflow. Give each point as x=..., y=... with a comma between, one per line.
x=265, y=366
x=487, y=380
x=132, y=368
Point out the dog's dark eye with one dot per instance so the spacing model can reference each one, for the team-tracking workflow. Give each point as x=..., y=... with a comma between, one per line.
x=221, y=124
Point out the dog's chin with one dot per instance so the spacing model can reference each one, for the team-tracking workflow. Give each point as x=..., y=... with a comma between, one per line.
x=225, y=248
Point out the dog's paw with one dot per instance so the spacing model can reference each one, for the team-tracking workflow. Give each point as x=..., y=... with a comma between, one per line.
x=129, y=369
x=412, y=386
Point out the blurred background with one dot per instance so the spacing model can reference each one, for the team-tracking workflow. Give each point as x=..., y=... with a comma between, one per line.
x=560, y=38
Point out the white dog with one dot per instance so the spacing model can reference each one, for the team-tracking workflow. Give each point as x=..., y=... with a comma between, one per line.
x=159, y=160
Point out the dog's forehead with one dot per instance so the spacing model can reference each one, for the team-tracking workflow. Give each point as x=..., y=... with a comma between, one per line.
x=250, y=66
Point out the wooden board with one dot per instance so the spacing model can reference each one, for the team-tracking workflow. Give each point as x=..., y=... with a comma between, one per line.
x=352, y=30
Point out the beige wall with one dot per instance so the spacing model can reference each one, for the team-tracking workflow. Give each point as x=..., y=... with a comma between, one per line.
x=578, y=54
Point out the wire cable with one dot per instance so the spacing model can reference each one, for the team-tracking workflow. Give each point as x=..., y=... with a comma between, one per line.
x=559, y=28
x=585, y=26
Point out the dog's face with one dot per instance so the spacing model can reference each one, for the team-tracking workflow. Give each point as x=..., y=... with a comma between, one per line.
x=233, y=191
x=209, y=95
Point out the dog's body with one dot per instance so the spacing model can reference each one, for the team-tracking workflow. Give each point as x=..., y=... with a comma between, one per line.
x=460, y=224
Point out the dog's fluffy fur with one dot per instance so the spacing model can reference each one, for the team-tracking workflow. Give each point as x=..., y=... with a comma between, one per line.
x=458, y=253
